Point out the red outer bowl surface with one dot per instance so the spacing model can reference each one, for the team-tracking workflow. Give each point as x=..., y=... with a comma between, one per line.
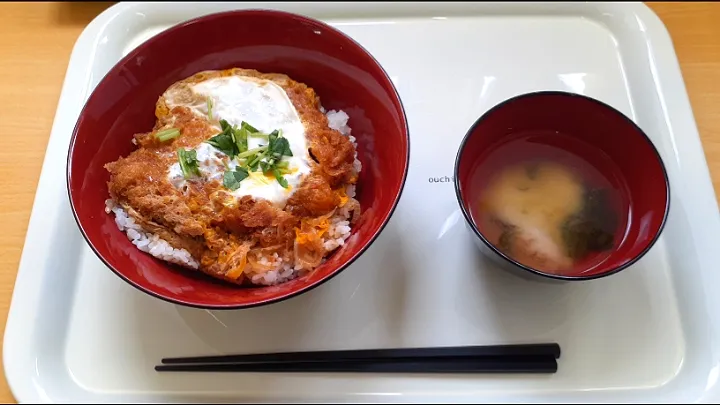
x=343, y=74
x=591, y=125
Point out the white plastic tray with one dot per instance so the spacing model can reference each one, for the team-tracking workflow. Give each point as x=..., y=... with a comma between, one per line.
x=77, y=333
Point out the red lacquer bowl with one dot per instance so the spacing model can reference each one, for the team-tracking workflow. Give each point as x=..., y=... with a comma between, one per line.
x=343, y=74
x=595, y=140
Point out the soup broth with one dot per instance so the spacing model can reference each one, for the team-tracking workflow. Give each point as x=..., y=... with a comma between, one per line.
x=550, y=207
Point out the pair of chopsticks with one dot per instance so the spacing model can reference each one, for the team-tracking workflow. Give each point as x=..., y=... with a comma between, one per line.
x=525, y=358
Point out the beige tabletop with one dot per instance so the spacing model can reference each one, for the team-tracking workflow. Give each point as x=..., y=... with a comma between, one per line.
x=35, y=44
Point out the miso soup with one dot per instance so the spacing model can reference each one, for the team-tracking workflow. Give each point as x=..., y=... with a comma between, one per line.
x=550, y=202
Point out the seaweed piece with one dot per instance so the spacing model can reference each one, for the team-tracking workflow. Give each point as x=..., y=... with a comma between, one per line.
x=506, y=237
x=531, y=169
x=592, y=229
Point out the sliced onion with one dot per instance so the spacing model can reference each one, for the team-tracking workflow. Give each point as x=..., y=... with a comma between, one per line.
x=236, y=263
x=353, y=209
x=309, y=255
x=256, y=254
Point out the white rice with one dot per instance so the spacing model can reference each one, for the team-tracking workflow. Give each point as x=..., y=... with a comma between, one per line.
x=148, y=242
x=281, y=270
x=337, y=120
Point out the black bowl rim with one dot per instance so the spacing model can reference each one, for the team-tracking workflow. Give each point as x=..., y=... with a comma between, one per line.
x=300, y=291
x=519, y=265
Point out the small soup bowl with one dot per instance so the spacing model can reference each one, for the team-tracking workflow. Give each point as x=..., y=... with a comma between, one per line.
x=599, y=145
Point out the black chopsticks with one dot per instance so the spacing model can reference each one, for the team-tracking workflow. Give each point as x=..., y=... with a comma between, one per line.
x=526, y=358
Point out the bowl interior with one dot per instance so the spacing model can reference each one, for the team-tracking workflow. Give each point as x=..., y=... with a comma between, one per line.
x=590, y=137
x=342, y=73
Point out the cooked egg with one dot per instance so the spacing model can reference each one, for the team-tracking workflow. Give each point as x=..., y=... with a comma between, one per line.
x=262, y=104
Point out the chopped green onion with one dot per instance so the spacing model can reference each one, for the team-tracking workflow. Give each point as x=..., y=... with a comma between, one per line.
x=210, y=108
x=272, y=137
x=266, y=167
x=241, y=139
x=225, y=126
x=252, y=164
x=280, y=178
x=167, y=134
x=232, y=179
x=254, y=161
x=251, y=152
x=233, y=141
x=230, y=140
x=188, y=162
x=279, y=146
x=224, y=143
x=250, y=128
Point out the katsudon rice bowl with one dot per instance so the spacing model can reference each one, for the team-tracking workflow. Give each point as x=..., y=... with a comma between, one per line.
x=244, y=177
x=253, y=181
